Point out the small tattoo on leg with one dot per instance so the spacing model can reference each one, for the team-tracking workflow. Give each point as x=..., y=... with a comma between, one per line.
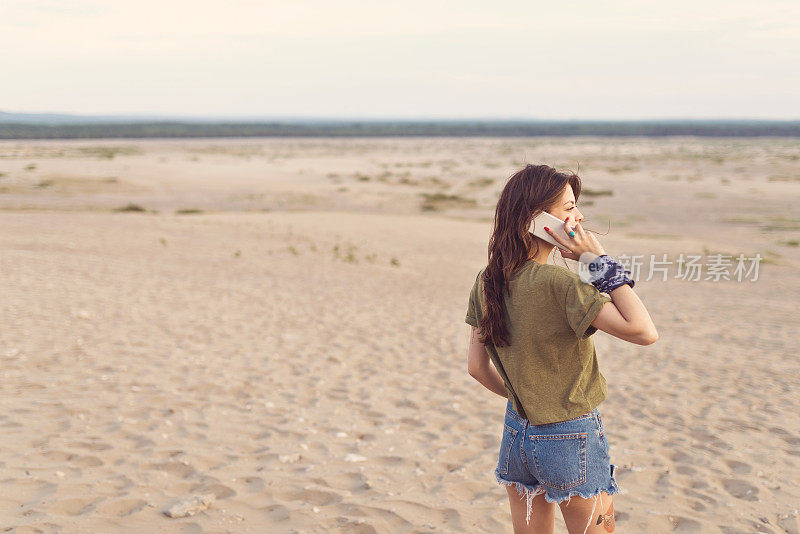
x=607, y=519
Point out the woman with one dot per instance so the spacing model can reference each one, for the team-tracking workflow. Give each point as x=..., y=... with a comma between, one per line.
x=534, y=321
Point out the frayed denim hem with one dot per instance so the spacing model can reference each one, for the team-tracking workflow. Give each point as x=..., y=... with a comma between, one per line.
x=525, y=491
x=529, y=492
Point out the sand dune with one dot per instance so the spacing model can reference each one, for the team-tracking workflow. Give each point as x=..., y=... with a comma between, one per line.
x=296, y=354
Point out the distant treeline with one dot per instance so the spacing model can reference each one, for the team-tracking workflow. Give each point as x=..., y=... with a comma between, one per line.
x=720, y=128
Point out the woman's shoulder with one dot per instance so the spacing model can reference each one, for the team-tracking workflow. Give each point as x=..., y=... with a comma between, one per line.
x=477, y=285
x=556, y=273
x=559, y=272
x=541, y=272
x=554, y=277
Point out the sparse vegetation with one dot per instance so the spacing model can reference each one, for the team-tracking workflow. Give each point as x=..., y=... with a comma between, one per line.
x=242, y=151
x=188, y=211
x=130, y=207
x=739, y=219
x=348, y=256
x=108, y=152
x=772, y=258
x=442, y=197
x=621, y=168
x=439, y=201
x=435, y=181
x=481, y=182
x=596, y=192
x=782, y=224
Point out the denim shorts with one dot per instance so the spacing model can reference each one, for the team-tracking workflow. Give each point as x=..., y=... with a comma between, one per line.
x=558, y=459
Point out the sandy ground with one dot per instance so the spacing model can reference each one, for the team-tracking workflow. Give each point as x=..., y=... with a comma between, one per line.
x=280, y=329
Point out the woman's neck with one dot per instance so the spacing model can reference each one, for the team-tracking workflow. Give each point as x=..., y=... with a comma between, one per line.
x=543, y=253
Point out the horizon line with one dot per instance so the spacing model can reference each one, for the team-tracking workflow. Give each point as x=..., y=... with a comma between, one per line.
x=369, y=118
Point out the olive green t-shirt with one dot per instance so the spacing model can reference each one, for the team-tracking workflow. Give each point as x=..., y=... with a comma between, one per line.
x=551, y=362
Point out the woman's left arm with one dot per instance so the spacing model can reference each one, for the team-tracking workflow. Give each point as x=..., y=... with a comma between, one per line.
x=480, y=367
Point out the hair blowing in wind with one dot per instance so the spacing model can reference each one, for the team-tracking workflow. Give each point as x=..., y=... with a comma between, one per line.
x=528, y=192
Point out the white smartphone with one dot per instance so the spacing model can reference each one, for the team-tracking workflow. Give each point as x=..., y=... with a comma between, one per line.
x=554, y=223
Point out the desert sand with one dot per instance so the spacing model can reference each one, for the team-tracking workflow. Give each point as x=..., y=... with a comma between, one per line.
x=275, y=329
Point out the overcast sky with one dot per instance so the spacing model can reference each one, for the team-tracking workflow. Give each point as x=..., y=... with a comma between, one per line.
x=347, y=58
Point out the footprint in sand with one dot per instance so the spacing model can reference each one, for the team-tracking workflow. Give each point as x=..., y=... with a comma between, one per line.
x=390, y=460
x=122, y=507
x=684, y=524
x=737, y=467
x=355, y=526
x=700, y=496
x=685, y=470
x=58, y=456
x=91, y=445
x=30, y=491
x=354, y=482
x=86, y=461
x=740, y=489
x=410, y=421
x=793, y=441
x=178, y=469
x=697, y=506
x=254, y=484
x=315, y=496
x=141, y=442
x=189, y=528
x=38, y=528
x=220, y=491
x=681, y=456
x=73, y=507
x=276, y=512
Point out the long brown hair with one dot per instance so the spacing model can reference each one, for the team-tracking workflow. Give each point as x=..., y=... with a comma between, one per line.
x=528, y=192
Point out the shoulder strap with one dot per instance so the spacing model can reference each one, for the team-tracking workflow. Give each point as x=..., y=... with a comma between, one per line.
x=499, y=365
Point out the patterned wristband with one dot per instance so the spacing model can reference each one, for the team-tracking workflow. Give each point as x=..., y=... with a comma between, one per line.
x=607, y=274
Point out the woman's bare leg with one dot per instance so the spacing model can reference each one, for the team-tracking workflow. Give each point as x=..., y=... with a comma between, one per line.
x=592, y=516
x=543, y=513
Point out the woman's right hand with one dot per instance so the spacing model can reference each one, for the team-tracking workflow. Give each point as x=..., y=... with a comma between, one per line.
x=575, y=246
